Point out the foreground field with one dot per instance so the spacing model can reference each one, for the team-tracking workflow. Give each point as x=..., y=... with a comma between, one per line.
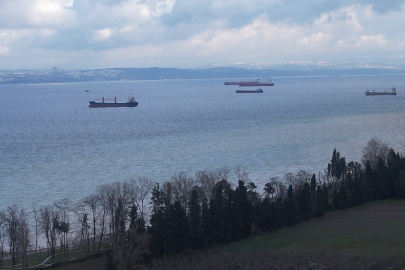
x=370, y=236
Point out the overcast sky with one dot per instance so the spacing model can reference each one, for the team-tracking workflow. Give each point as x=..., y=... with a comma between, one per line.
x=87, y=34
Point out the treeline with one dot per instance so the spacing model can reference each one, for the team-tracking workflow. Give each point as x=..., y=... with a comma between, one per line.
x=194, y=214
x=138, y=220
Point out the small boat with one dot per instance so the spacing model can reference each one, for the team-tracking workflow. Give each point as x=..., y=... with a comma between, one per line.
x=102, y=104
x=391, y=92
x=250, y=91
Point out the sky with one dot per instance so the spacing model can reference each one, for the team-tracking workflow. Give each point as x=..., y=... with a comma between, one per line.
x=91, y=34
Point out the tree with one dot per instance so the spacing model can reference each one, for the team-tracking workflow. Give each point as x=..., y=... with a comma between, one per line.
x=373, y=151
x=182, y=185
x=48, y=221
x=93, y=201
x=63, y=207
x=143, y=188
x=268, y=190
x=17, y=231
x=194, y=215
x=242, y=174
x=2, y=238
x=243, y=209
x=304, y=202
x=291, y=208
x=157, y=228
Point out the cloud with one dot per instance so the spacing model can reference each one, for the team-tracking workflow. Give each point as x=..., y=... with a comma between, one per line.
x=371, y=41
x=36, y=13
x=4, y=50
x=190, y=33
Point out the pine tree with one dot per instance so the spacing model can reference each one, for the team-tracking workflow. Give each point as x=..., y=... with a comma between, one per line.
x=157, y=228
x=291, y=208
x=194, y=215
x=304, y=202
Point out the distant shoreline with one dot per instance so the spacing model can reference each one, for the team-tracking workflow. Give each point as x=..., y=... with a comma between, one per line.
x=158, y=74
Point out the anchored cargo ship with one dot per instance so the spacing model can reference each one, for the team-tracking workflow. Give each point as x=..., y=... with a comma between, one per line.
x=256, y=83
x=251, y=83
x=391, y=92
x=250, y=91
x=102, y=104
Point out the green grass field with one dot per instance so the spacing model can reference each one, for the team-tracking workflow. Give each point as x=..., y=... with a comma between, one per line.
x=370, y=236
x=376, y=228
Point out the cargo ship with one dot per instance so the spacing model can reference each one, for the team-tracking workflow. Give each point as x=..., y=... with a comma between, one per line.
x=256, y=83
x=250, y=91
x=102, y=104
x=251, y=83
x=391, y=92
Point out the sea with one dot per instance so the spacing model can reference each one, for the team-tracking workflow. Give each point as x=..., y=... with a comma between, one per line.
x=53, y=146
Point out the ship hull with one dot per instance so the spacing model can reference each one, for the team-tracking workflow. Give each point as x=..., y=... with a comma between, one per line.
x=255, y=84
x=391, y=92
x=231, y=83
x=111, y=105
x=380, y=94
x=249, y=91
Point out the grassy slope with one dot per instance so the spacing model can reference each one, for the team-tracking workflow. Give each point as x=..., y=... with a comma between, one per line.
x=370, y=236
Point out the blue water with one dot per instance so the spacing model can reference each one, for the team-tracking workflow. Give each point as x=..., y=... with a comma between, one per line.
x=53, y=146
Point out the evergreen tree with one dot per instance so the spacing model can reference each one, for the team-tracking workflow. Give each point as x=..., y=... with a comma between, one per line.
x=176, y=229
x=244, y=211
x=205, y=226
x=158, y=226
x=290, y=208
x=264, y=219
x=319, y=203
x=194, y=214
x=370, y=182
x=304, y=202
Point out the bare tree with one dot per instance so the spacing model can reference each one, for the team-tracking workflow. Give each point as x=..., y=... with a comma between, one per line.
x=17, y=231
x=93, y=202
x=280, y=190
x=63, y=207
x=12, y=223
x=242, y=174
x=48, y=224
x=302, y=177
x=104, y=211
x=289, y=178
x=129, y=255
x=373, y=151
x=223, y=173
x=144, y=187
x=36, y=220
x=206, y=181
x=2, y=238
x=118, y=201
x=83, y=229
x=182, y=185
x=23, y=235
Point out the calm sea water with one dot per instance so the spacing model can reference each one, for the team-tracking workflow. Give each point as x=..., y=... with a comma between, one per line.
x=53, y=146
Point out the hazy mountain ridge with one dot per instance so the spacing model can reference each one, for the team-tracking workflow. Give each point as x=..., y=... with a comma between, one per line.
x=154, y=73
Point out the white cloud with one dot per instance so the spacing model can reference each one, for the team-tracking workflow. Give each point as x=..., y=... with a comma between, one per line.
x=37, y=13
x=103, y=34
x=191, y=33
x=4, y=50
x=371, y=41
